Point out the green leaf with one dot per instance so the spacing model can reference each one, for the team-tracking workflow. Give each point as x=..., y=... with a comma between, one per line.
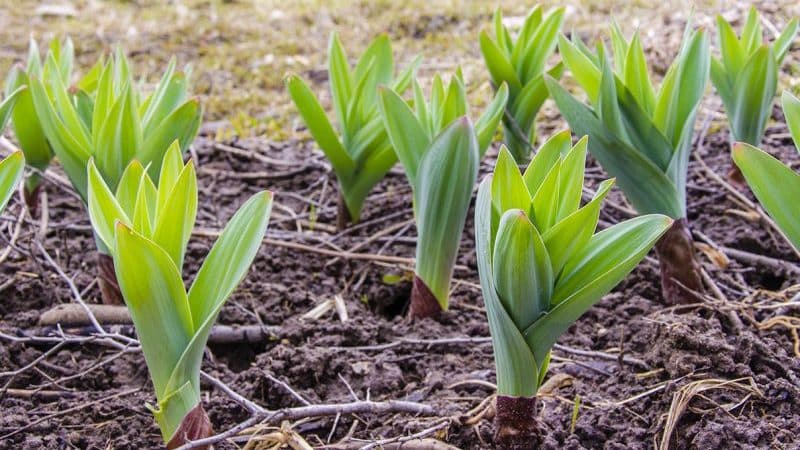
x=176, y=215
x=104, y=210
x=636, y=77
x=72, y=155
x=155, y=296
x=446, y=175
x=508, y=187
x=499, y=66
x=26, y=123
x=486, y=125
x=319, y=127
x=522, y=272
x=784, y=40
x=591, y=273
x=732, y=54
x=7, y=106
x=570, y=180
x=128, y=187
x=545, y=159
x=516, y=366
x=644, y=183
x=775, y=185
x=406, y=133
x=230, y=257
x=583, y=69
x=11, y=170
x=120, y=136
x=341, y=79
x=575, y=230
x=755, y=89
x=180, y=125
x=791, y=109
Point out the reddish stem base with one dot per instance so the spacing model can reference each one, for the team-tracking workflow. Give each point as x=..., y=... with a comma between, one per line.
x=343, y=217
x=195, y=425
x=107, y=280
x=680, y=271
x=423, y=303
x=32, y=200
x=515, y=423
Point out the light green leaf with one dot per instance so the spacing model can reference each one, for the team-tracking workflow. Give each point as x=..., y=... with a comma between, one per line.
x=104, y=210
x=516, y=366
x=11, y=170
x=445, y=178
x=791, y=109
x=591, y=273
x=775, y=185
x=319, y=127
x=508, y=187
x=156, y=299
x=522, y=272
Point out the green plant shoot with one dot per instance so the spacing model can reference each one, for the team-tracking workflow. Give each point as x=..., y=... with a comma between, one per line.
x=643, y=136
x=147, y=228
x=24, y=120
x=746, y=75
x=11, y=170
x=774, y=184
x=521, y=64
x=360, y=153
x=164, y=214
x=441, y=167
x=114, y=123
x=542, y=265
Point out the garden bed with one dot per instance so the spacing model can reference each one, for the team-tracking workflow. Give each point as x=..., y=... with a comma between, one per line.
x=628, y=359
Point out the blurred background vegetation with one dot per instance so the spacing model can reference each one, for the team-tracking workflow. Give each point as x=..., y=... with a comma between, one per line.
x=241, y=50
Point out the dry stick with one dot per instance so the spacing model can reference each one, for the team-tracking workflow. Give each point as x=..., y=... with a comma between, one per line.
x=253, y=155
x=411, y=437
x=374, y=237
x=780, y=265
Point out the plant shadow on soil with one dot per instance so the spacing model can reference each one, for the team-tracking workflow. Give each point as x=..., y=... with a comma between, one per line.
x=311, y=355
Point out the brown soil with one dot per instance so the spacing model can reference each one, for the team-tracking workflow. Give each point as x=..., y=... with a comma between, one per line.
x=95, y=397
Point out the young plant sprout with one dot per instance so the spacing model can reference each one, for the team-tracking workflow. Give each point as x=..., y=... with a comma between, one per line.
x=165, y=214
x=113, y=123
x=27, y=128
x=643, y=137
x=146, y=229
x=774, y=184
x=360, y=153
x=11, y=170
x=521, y=64
x=541, y=266
x=442, y=170
x=441, y=167
x=746, y=75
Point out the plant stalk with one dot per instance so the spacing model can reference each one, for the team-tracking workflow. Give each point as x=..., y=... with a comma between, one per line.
x=195, y=425
x=680, y=271
x=107, y=280
x=423, y=303
x=343, y=217
x=515, y=423
x=32, y=194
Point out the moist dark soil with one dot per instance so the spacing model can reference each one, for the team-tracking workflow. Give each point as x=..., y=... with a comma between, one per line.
x=91, y=397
